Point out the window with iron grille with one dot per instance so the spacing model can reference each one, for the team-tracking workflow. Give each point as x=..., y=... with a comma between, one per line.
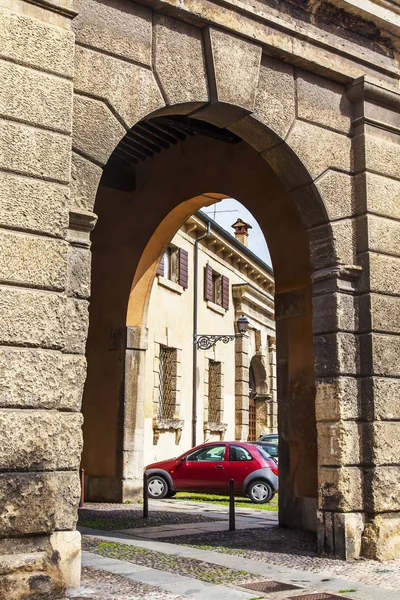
x=167, y=383
x=214, y=391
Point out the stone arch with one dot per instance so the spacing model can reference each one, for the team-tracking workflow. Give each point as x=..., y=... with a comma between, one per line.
x=233, y=86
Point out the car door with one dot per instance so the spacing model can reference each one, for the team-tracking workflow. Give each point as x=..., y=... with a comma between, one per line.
x=204, y=470
x=241, y=463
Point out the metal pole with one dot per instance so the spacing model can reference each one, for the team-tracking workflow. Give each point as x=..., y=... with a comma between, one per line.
x=232, y=505
x=195, y=302
x=145, y=496
x=82, y=498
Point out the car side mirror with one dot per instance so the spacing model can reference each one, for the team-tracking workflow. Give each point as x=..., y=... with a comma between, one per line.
x=183, y=459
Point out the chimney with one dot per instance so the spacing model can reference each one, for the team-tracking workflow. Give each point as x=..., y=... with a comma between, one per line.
x=241, y=231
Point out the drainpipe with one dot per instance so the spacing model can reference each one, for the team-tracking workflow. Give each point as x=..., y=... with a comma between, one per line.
x=195, y=302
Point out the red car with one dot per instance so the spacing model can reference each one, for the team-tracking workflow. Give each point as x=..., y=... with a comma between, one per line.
x=209, y=467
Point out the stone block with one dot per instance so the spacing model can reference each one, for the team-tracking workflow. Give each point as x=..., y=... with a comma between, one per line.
x=322, y=101
x=96, y=132
x=382, y=394
x=76, y=326
x=85, y=179
x=28, y=41
x=382, y=195
x=40, y=440
x=29, y=317
x=33, y=205
x=179, y=61
x=336, y=354
x=275, y=96
x=310, y=205
x=383, y=445
x=338, y=399
x=334, y=312
x=255, y=133
x=380, y=354
x=340, y=488
x=348, y=529
x=382, y=489
x=336, y=191
x=333, y=243
x=79, y=265
x=33, y=261
x=34, y=97
x=233, y=66
x=379, y=235
x=108, y=26
x=33, y=503
x=288, y=166
x=117, y=82
x=380, y=273
x=32, y=378
x=241, y=374
x=378, y=154
x=319, y=149
x=381, y=537
x=43, y=154
x=68, y=546
x=340, y=443
x=384, y=313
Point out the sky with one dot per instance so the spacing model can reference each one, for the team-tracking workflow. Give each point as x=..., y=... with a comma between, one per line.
x=256, y=241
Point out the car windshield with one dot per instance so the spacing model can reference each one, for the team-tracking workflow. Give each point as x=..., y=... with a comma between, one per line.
x=272, y=449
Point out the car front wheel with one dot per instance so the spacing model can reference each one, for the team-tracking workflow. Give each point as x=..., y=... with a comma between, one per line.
x=157, y=487
x=260, y=492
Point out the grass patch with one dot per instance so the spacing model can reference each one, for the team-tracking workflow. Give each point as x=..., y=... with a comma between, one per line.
x=224, y=500
x=347, y=591
x=188, y=567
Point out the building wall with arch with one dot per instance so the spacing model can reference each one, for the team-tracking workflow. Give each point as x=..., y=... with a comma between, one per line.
x=314, y=98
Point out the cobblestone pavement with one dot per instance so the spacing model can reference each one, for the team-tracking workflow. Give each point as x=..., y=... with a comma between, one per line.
x=269, y=544
x=101, y=585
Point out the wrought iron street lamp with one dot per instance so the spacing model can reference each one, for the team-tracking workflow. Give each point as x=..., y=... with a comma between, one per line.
x=206, y=341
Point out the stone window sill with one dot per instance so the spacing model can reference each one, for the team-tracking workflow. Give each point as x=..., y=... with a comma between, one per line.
x=160, y=425
x=215, y=308
x=214, y=427
x=170, y=285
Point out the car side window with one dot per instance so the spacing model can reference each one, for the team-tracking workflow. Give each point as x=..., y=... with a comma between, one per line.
x=209, y=454
x=238, y=453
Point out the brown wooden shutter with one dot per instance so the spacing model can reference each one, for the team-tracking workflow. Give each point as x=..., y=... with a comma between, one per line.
x=160, y=268
x=225, y=292
x=208, y=287
x=183, y=259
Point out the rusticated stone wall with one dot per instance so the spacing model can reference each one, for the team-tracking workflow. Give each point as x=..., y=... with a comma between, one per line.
x=326, y=123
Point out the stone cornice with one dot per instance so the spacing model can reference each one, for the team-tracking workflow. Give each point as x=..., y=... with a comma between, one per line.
x=363, y=88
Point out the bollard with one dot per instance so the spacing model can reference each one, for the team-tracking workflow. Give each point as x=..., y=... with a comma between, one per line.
x=145, y=496
x=82, y=498
x=231, y=505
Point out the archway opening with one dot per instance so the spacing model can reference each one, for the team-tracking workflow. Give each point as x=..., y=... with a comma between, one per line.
x=141, y=203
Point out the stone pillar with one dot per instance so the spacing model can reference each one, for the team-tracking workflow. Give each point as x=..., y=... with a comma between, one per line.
x=132, y=420
x=272, y=384
x=242, y=365
x=377, y=164
x=338, y=411
x=43, y=313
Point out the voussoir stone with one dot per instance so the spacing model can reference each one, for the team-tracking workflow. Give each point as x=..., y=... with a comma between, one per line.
x=32, y=503
x=275, y=96
x=33, y=205
x=40, y=440
x=109, y=26
x=336, y=191
x=235, y=64
x=85, y=178
x=96, y=131
x=323, y=101
x=130, y=90
x=79, y=264
x=319, y=149
x=179, y=61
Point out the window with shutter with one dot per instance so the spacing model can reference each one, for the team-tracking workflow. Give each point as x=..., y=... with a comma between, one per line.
x=208, y=283
x=225, y=292
x=183, y=260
